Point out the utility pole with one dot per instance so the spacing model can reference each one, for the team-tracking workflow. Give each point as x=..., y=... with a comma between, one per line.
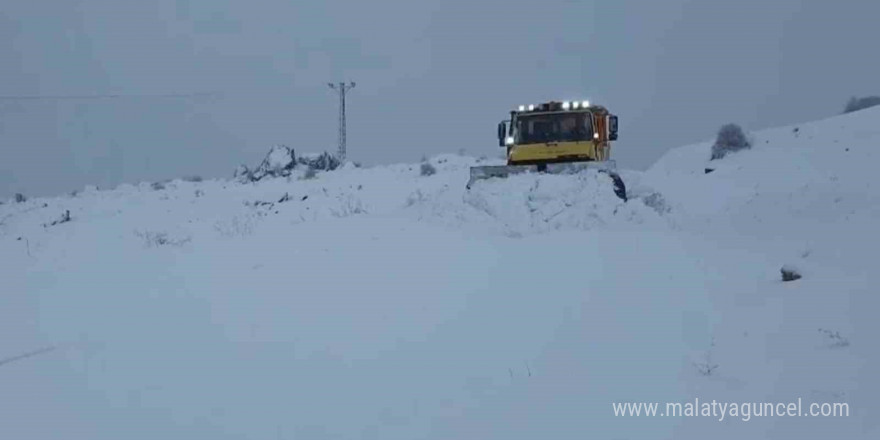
x=341, y=88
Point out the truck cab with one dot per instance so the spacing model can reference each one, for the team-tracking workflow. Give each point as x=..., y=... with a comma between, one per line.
x=556, y=132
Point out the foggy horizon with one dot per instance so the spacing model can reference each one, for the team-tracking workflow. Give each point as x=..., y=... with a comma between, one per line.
x=431, y=78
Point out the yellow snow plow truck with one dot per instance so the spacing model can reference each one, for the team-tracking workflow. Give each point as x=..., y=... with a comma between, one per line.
x=556, y=137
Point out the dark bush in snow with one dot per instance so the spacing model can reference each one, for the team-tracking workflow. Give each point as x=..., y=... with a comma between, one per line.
x=278, y=163
x=310, y=173
x=321, y=162
x=730, y=138
x=835, y=340
x=856, y=104
x=656, y=202
x=428, y=169
x=192, y=179
x=65, y=217
x=20, y=198
x=282, y=160
x=790, y=273
x=158, y=186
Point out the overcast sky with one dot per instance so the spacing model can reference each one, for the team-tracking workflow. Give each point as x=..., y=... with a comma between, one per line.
x=432, y=77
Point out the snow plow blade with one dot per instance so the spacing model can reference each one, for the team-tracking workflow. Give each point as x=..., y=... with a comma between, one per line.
x=503, y=171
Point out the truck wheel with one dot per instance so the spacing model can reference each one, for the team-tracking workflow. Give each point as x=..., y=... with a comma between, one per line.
x=619, y=186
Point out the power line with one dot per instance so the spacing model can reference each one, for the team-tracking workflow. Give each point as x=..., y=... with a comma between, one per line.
x=341, y=88
x=104, y=96
x=26, y=355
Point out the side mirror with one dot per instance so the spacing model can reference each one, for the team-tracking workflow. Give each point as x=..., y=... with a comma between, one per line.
x=612, y=128
x=502, y=133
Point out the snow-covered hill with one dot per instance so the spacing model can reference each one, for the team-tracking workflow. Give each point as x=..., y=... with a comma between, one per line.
x=380, y=303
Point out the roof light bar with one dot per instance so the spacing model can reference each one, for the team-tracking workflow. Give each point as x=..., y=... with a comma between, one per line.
x=555, y=105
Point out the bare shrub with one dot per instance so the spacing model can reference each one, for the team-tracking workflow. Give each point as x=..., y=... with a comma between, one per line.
x=707, y=366
x=656, y=202
x=835, y=340
x=428, y=169
x=855, y=104
x=323, y=161
x=65, y=217
x=790, y=273
x=310, y=174
x=349, y=206
x=156, y=239
x=730, y=138
x=415, y=198
x=237, y=227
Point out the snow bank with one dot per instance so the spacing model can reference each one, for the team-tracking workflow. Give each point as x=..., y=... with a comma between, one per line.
x=533, y=204
x=808, y=186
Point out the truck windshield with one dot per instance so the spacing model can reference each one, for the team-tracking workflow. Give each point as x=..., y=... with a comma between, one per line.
x=556, y=127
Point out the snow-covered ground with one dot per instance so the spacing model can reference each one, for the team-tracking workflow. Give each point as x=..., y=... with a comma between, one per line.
x=377, y=303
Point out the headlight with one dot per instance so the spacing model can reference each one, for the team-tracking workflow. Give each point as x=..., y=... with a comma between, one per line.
x=531, y=107
x=585, y=104
x=595, y=135
x=575, y=104
x=509, y=140
x=566, y=105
